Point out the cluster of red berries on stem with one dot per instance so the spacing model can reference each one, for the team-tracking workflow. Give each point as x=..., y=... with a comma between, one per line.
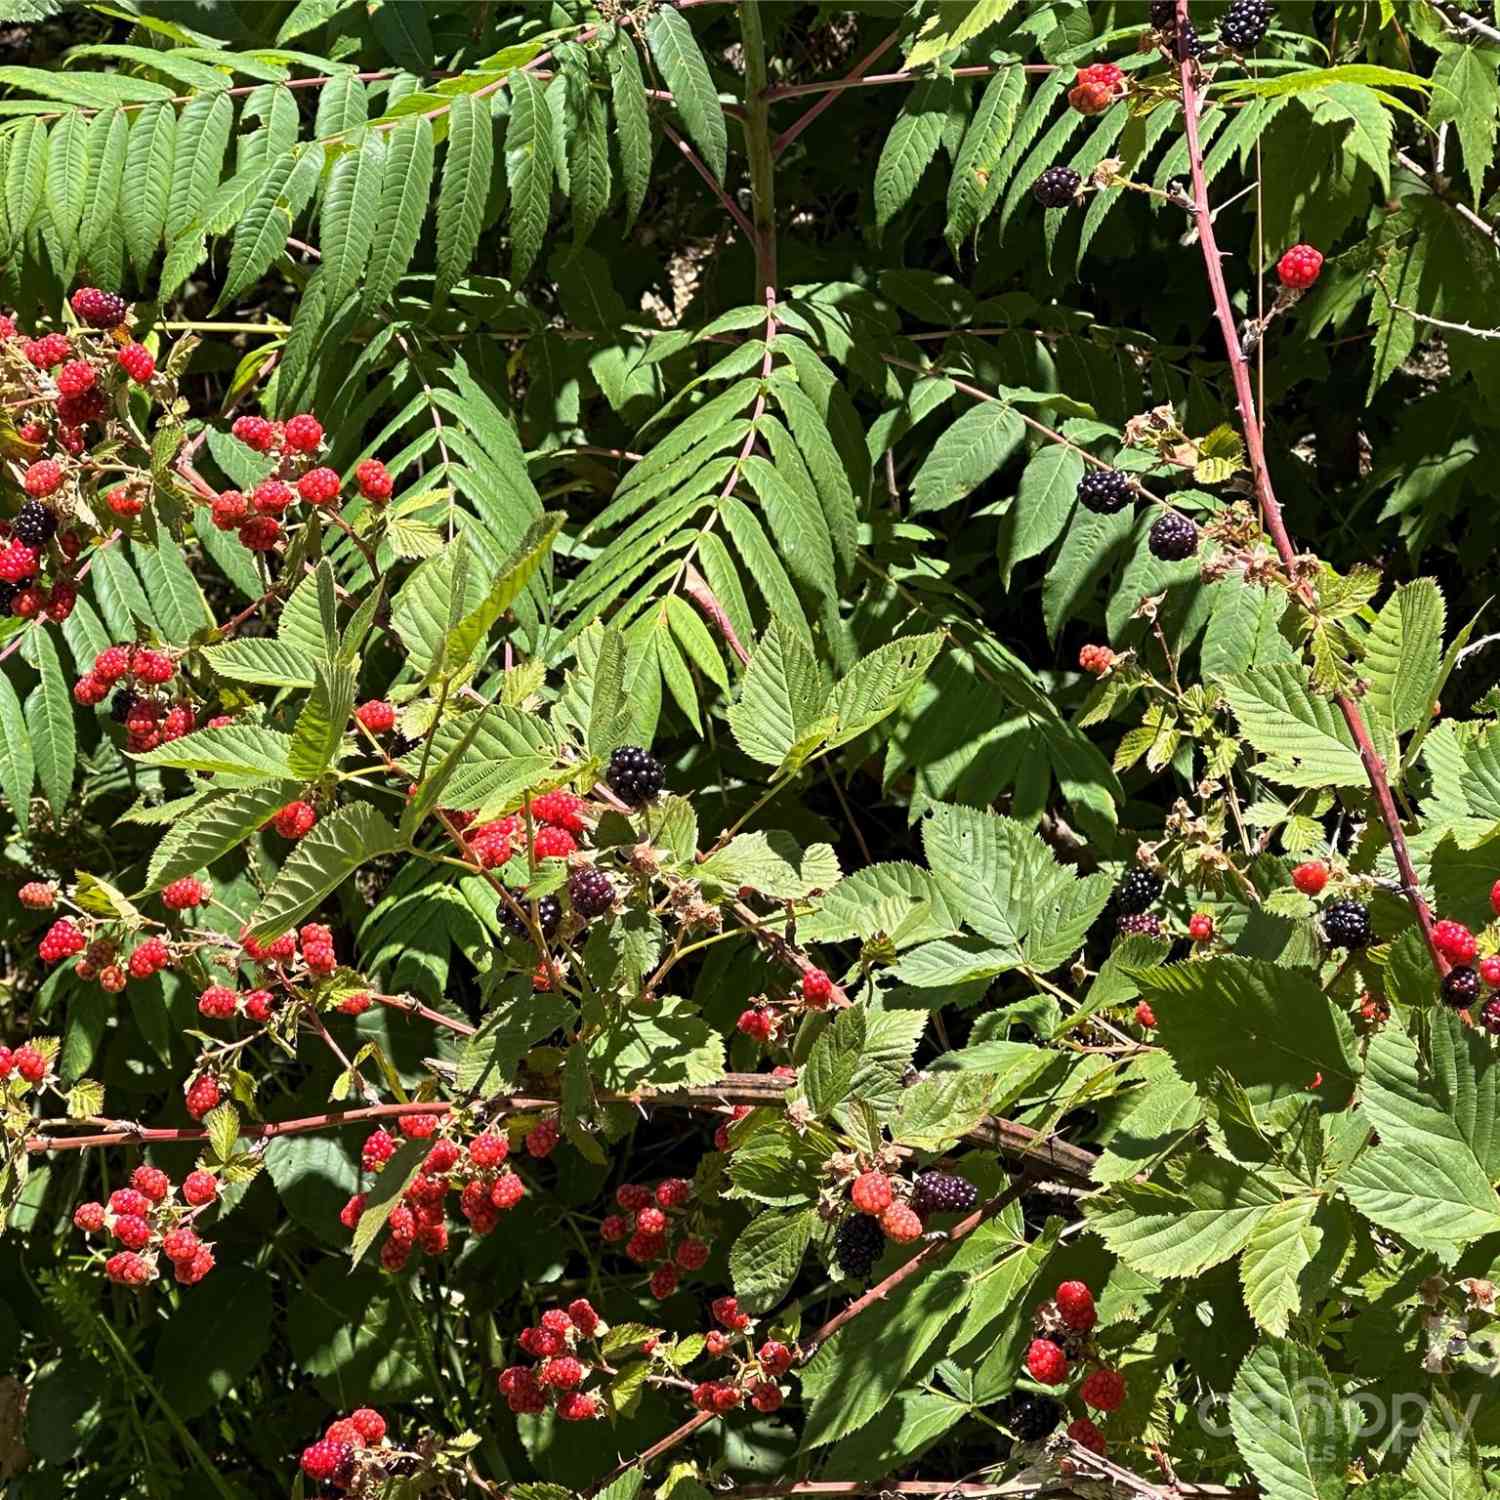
x=149, y=1225
x=560, y=1336
x=657, y=1227
x=31, y=1061
x=757, y=1372
x=1097, y=87
x=332, y=1460
x=133, y=679
x=1065, y=1327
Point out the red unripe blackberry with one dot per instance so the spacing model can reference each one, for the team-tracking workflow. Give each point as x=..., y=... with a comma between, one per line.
x=271, y=497
x=757, y=1022
x=1310, y=877
x=1046, y=1362
x=590, y=891
x=1201, y=927
x=1145, y=1017
x=7, y=1062
x=1075, y=1302
x=726, y=1310
x=76, y=411
x=1172, y=537
x=565, y=1373
x=1489, y=971
x=857, y=1245
x=817, y=988
x=583, y=1317
x=124, y=504
x=1138, y=890
x=155, y=667
x=634, y=775
x=578, y=1406
x=1087, y=1435
x=49, y=350
x=62, y=941
x=149, y=957
x=507, y=1191
x=61, y=599
x=1103, y=1389
x=373, y=481
x=295, y=820
x=871, y=1192
x=377, y=715
x=89, y=1217
x=1105, y=491
x=402, y=1224
x=343, y=1431
x=318, y=486
x=1096, y=660
x=349, y=1214
x=112, y=978
x=32, y=432
x=217, y=1002
x=199, y=1188
x=254, y=432
x=180, y=1243
x=673, y=1192
x=18, y=563
x=901, y=1223
x=112, y=664
x=97, y=308
x=379, y=1148
x=303, y=433
x=152, y=1182
x=418, y=1127
x=1460, y=987
x=488, y=1150
x=775, y=1358
x=1454, y=941
x=44, y=477
x=690, y=1255
x=29, y=1063
x=138, y=362
x=132, y=1231
x=1495, y=898
x=542, y=1138
x=1346, y=924
x=1106, y=73
x=181, y=894
x=76, y=377
x=562, y=808
x=1490, y=1015
x=1057, y=187
x=28, y=602
x=128, y=1269
x=327, y=1462
x=129, y=1201
x=368, y=1423
x=663, y=1283
x=355, y=1005
x=553, y=843
x=229, y=509
x=39, y=895
x=1299, y=267
x=394, y=1254
x=202, y=1095
x=765, y=1395
x=936, y=1192
x=633, y=1196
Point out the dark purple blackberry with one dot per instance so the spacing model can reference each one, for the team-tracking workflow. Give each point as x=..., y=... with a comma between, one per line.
x=8, y=592
x=1057, y=187
x=1245, y=24
x=1460, y=987
x=1172, y=537
x=857, y=1245
x=121, y=704
x=1186, y=43
x=1490, y=1015
x=590, y=891
x=35, y=524
x=943, y=1193
x=548, y=912
x=1104, y=491
x=1164, y=14
x=1030, y=1416
x=400, y=746
x=1137, y=891
x=1346, y=924
x=1139, y=924
x=635, y=775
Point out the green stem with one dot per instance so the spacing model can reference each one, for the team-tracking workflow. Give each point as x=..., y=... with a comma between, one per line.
x=758, y=144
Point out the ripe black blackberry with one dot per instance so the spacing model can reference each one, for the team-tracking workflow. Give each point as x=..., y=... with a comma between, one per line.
x=943, y=1193
x=857, y=1245
x=548, y=912
x=1186, y=43
x=8, y=592
x=590, y=891
x=1164, y=14
x=1056, y=187
x=1032, y=1417
x=1461, y=987
x=1346, y=924
x=635, y=775
x=35, y=524
x=1137, y=891
x=1139, y=924
x=1245, y=24
x=1104, y=491
x=1172, y=537
x=121, y=704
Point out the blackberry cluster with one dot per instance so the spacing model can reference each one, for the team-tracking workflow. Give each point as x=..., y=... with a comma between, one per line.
x=35, y=524
x=1032, y=1417
x=1139, y=924
x=1346, y=924
x=1245, y=24
x=1056, y=187
x=857, y=1245
x=1186, y=43
x=590, y=891
x=548, y=913
x=943, y=1193
x=1172, y=537
x=1461, y=987
x=1104, y=491
x=635, y=775
x=1137, y=891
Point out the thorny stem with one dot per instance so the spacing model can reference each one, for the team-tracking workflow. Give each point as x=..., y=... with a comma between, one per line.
x=1270, y=508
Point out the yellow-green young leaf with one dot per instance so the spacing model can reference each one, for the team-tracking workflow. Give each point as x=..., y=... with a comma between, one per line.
x=773, y=863
x=1277, y=1252
x=148, y=170
x=17, y=763
x=467, y=169
x=395, y=1177
x=878, y=685
x=1402, y=656
x=954, y=23
x=529, y=169
x=321, y=861
x=350, y=221
x=223, y=1126
x=404, y=191
x=694, y=96
x=49, y=722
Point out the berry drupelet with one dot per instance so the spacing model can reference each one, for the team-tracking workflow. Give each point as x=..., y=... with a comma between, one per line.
x=1137, y=891
x=634, y=775
x=1057, y=187
x=1172, y=537
x=1104, y=491
x=1346, y=924
x=1140, y=924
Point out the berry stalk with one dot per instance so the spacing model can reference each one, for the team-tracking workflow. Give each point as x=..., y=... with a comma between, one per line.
x=1270, y=508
